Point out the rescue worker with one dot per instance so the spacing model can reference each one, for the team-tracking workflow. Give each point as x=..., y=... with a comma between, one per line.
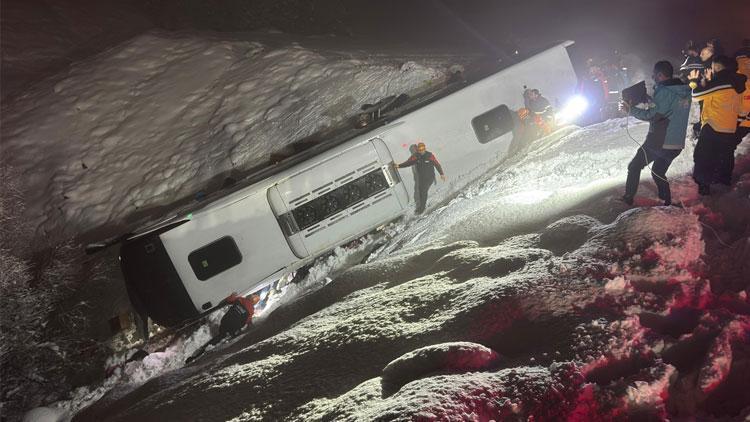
x=239, y=314
x=667, y=115
x=595, y=88
x=720, y=91
x=535, y=102
x=543, y=114
x=425, y=164
x=692, y=61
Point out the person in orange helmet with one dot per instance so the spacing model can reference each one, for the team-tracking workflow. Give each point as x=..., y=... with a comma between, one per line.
x=425, y=164
x=238, y=316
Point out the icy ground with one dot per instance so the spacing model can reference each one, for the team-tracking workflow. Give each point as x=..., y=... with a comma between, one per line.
x=532, y=295
x=164, y=116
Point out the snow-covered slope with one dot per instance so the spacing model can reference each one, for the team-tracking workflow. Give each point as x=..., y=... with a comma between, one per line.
x=157, y=118
x=581, y=309
x=38, y=38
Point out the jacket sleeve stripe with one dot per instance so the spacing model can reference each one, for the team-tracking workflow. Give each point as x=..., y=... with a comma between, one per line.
x=698, y=92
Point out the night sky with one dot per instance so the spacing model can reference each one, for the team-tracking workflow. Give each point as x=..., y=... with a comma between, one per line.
x=649, y=28
x=65, y=32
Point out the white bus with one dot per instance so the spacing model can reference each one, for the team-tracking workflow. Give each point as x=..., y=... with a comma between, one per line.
x=186, y=266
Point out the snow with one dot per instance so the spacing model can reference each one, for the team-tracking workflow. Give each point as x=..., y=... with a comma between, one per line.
x=393, y=312
x=532, y=294
x=46, y=414
x=162, y=116
x=564, y=304
x=446, y=357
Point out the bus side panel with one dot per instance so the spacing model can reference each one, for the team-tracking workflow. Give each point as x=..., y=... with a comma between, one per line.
x=399, y=189
x=296, y=244
x=327, y=179
x=445, y=125
x=153, y=283
x=252, y=226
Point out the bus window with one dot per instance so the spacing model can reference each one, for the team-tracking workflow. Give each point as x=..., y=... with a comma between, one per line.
x=493, y=124
x=215, y=258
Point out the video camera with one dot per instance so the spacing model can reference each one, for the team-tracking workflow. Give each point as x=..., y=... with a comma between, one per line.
x=635, y=94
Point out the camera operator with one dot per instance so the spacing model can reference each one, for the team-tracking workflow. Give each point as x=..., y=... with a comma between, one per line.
x=667, y=114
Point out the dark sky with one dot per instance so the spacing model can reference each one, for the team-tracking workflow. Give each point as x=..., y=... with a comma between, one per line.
x=647, y=27
x=40, y=37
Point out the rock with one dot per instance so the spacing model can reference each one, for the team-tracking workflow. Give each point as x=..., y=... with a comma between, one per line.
x=567, y=234
x=440, y=358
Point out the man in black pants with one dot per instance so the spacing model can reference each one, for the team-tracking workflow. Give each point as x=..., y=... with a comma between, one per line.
x=667, y=114
x=425, y=164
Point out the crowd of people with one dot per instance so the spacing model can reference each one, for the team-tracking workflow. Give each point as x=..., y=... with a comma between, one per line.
x=720, y=85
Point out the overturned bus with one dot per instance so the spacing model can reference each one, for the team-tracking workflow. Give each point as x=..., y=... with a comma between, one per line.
x=186, y=265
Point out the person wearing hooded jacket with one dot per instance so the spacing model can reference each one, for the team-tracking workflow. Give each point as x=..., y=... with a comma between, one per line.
x=720, y=93
x=667, y=114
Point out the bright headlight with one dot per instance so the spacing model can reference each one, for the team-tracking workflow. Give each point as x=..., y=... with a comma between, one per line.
x=574, y=108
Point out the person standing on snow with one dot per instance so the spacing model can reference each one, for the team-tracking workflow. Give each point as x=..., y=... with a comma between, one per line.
x=667, y=115
x=426, y=164
x=720, y=93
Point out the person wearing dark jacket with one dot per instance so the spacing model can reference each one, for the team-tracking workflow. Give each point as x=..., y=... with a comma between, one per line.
x=239, y=314
x=536, y=103
x=425, y=165
x=667, y=115
x=692, y=61
x=720, y=93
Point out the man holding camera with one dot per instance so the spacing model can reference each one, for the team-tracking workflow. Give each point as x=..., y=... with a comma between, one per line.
x=667, y=114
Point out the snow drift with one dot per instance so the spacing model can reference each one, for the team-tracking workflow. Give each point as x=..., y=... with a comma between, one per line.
x=619, y=322
x=162, y=116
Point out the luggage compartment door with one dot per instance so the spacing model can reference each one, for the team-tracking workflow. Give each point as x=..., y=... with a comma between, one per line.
x=342, y=197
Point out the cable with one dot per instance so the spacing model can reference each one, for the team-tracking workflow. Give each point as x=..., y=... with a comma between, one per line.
x=645, y=156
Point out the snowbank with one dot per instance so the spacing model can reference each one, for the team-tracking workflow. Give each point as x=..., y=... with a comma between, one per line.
x=162, y=116
x=598, y=311
x=570, y=346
